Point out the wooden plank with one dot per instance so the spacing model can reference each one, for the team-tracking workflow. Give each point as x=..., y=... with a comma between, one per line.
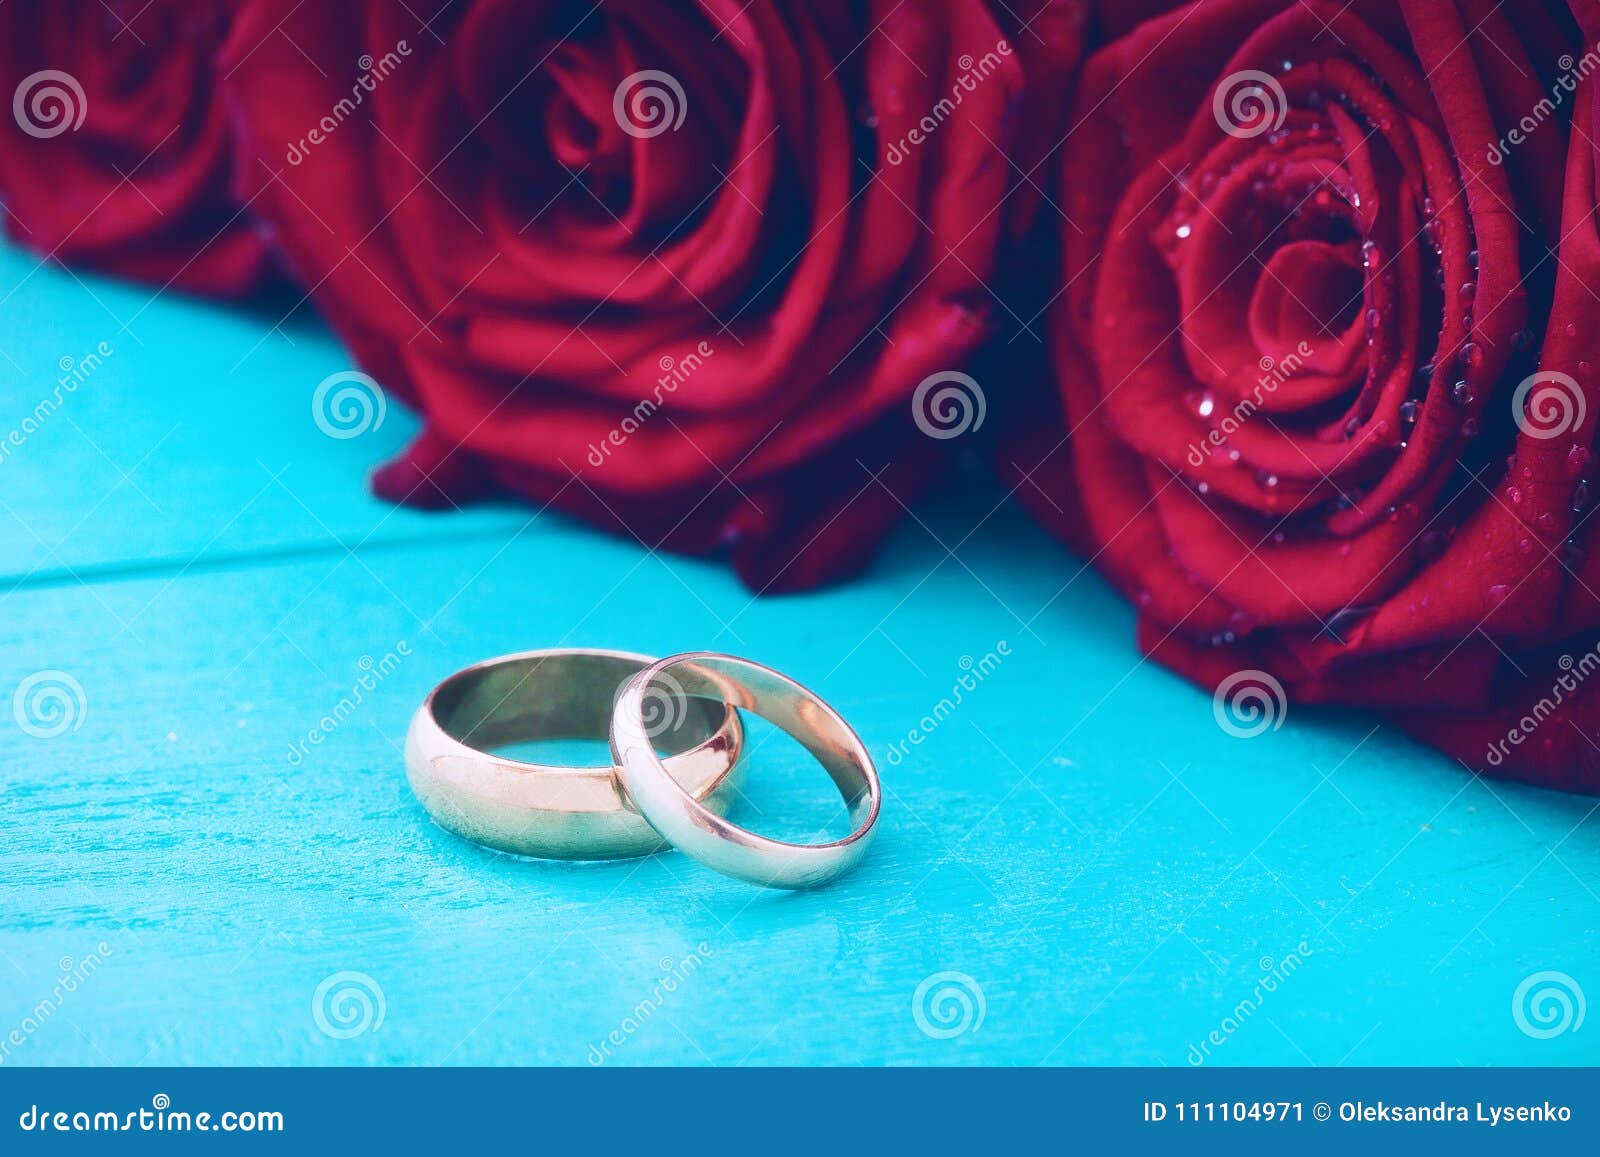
x=1113, y=892
x=143, y=431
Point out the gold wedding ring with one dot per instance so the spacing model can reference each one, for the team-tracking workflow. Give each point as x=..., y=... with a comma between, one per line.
x=670, y=688
x=551, y=811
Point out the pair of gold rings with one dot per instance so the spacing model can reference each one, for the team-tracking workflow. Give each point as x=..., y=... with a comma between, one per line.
x=676, y=746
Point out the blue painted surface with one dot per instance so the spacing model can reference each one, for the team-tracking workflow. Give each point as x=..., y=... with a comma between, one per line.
x=1111, y=870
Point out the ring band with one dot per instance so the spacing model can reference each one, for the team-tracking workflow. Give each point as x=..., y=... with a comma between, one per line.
x=550, y=811
x=667, y=688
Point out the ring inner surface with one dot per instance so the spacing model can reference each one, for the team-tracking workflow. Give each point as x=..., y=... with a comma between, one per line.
x=556, y=697
x=711, y=682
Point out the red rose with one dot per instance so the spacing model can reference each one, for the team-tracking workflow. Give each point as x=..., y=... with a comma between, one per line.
x=1326, y=352
x=115, y=148
x=676, y=268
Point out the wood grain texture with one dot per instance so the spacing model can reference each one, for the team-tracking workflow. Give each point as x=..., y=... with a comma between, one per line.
x=1078, y=837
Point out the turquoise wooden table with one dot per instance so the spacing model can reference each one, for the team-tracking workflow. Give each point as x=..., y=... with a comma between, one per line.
x=1077, y=866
